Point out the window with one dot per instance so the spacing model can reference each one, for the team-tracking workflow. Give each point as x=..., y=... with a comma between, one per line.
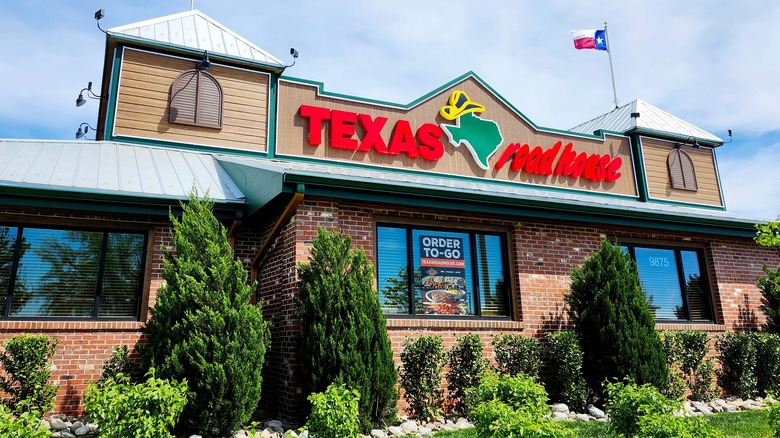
x=674, y=280
x=423, y=271
x=55, y=273
x=196, y=99
x=681, y=171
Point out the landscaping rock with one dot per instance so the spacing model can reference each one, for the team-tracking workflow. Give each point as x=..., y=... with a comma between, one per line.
x=560, y=407
x=395, y=431
x=409, y=426
x=378, y=433
x=558, y=416
x=275, y=426
x=596, y=412
x=582, y=417
x=57, y=424
x=424, y=431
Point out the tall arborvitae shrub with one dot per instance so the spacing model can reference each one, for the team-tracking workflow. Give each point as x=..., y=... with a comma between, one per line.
x=343, y=336
x=203, y=327
x=613, y=322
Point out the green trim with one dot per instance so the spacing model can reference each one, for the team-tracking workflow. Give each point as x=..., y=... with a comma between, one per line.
x=270, y=133
x=641, y=175
x=278, y=68
x=663, y=135
x=190, y=147
x=687, y=204
x=113, y=94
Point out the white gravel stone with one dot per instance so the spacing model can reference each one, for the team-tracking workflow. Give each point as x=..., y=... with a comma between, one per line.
x=596, y=412
x=378, y=433
x=583, y=417
x=558, y=416
x=395, y=431
x=409, y=426
x=560, y=407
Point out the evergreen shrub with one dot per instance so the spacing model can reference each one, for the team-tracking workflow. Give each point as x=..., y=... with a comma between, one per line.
x=613, y=322
x=565, y=382
x=26, y=360
x=334, y=413
x=685, y=351
x=343, y=335
x=466, y=363
x=737, y=356
x=628, y=402
x=422, y=361
x=203, y=329
x=516, y=354
x=123, y=409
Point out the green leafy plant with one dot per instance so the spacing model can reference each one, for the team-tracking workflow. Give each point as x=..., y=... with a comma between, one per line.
x=773, y=414
x=119, y=362
x=422, y=361
x=466, y=363
x=565, y=381
x=506, y=406
x=737, y=356
x=26, y=360
x=768, y=234
x=628, y=402
x=343, y=334
x=27, y=424
x=769, y=287
x=203, y=328
x=147, y=409
x=767, y=363
x=685, y=351
x=670, y=426
x=335, y=413
x=613, y=322
x=516, y=354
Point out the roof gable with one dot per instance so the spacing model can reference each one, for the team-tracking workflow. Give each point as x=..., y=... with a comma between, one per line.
x=195, y=30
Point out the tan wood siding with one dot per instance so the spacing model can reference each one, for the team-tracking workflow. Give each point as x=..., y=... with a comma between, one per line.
x=292, y=138
x=144, y=93
x=655, y=154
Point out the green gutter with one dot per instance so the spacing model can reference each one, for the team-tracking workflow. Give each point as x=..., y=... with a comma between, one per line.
x=113, y=94
x=639, y=168
x=270, y=136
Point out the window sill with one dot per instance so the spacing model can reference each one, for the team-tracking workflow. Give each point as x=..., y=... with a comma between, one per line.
x=469, y=324
x=27, y=325
x=705, y=326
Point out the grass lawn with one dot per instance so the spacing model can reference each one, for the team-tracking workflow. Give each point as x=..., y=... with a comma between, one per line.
x=750, y=424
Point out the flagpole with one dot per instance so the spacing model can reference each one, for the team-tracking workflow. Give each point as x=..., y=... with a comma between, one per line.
x=611, y=69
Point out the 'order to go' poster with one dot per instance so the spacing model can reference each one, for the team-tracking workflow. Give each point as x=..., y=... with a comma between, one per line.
x=443, y=272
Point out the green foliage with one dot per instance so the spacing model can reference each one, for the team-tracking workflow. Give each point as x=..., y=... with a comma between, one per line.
x=613, y=323
x=343, y=335
x=565, y=381
x=335, y=413
x=516, y=354
x=773, y=413
x=511, y=406
x=27, y=424
x=119, y=362
x=737, y=356
x=685, y=351
x=628, y=402
x=770, y=299
x=422, y=361
x=767, y=363
x=768, y=234
x=26, y=362
x=466, y=364
x=147, y=409
x=203, y=328
x=670, y=426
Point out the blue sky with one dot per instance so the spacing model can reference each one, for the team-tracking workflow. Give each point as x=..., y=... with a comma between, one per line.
x=712, y=64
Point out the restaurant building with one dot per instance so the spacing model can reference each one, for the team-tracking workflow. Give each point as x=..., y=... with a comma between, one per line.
x=473, y=215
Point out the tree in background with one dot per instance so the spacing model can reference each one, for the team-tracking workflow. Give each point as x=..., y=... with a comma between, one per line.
x=343, y=336
x=769, y=235
x=203, y=328
x=613, y=322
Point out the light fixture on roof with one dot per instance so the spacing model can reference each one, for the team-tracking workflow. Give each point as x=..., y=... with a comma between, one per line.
x=634, y=115
x=205, y=64
x=294, y=54
x=80, y=100
x=100, y=13
x=695, y=143
x=81, y=133
x=730, y=138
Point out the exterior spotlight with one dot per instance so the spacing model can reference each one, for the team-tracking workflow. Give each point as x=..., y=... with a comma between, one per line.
x=83, y=132
x=693, y=143
x=294, y=54
x=205, y=64
x=80, y=100
x=100, y=13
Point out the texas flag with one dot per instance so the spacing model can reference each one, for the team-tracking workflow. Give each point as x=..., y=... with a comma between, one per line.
x=589, y=39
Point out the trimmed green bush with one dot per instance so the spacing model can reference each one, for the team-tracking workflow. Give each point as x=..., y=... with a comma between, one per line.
x=120, y=362
x=565, y=381
x=204, y=329
x=148, y=409
x=737, y=356
x=466, y=364
x=26, y=360
x=773, y=414
x=767, y=363
x=670, y=426
x=343, y=335
x=685, y=351
x=422, y=361
x=27, y=424
x=770, y=299
x=516, y=354
x=335, y=413
x=613, y=323
x=628, y=402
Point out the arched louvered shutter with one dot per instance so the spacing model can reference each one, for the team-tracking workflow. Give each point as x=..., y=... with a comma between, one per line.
x=196, y=99
x=681, y=171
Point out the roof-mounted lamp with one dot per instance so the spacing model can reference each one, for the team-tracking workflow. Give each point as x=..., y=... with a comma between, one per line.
x=81, y=133
x=205, y=64
x=91, y=94
x=294, y=54
x=693, y=142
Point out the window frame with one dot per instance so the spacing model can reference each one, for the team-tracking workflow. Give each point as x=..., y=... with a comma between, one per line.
x=141, y=293
x=703, y=260
x=472, y=232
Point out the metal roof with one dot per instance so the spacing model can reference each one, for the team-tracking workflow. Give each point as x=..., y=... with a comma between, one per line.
x=103, y=167
x=650, y=119
x=195, y=30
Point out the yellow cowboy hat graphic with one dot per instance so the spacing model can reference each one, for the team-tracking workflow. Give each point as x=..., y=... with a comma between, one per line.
x=459, y=104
